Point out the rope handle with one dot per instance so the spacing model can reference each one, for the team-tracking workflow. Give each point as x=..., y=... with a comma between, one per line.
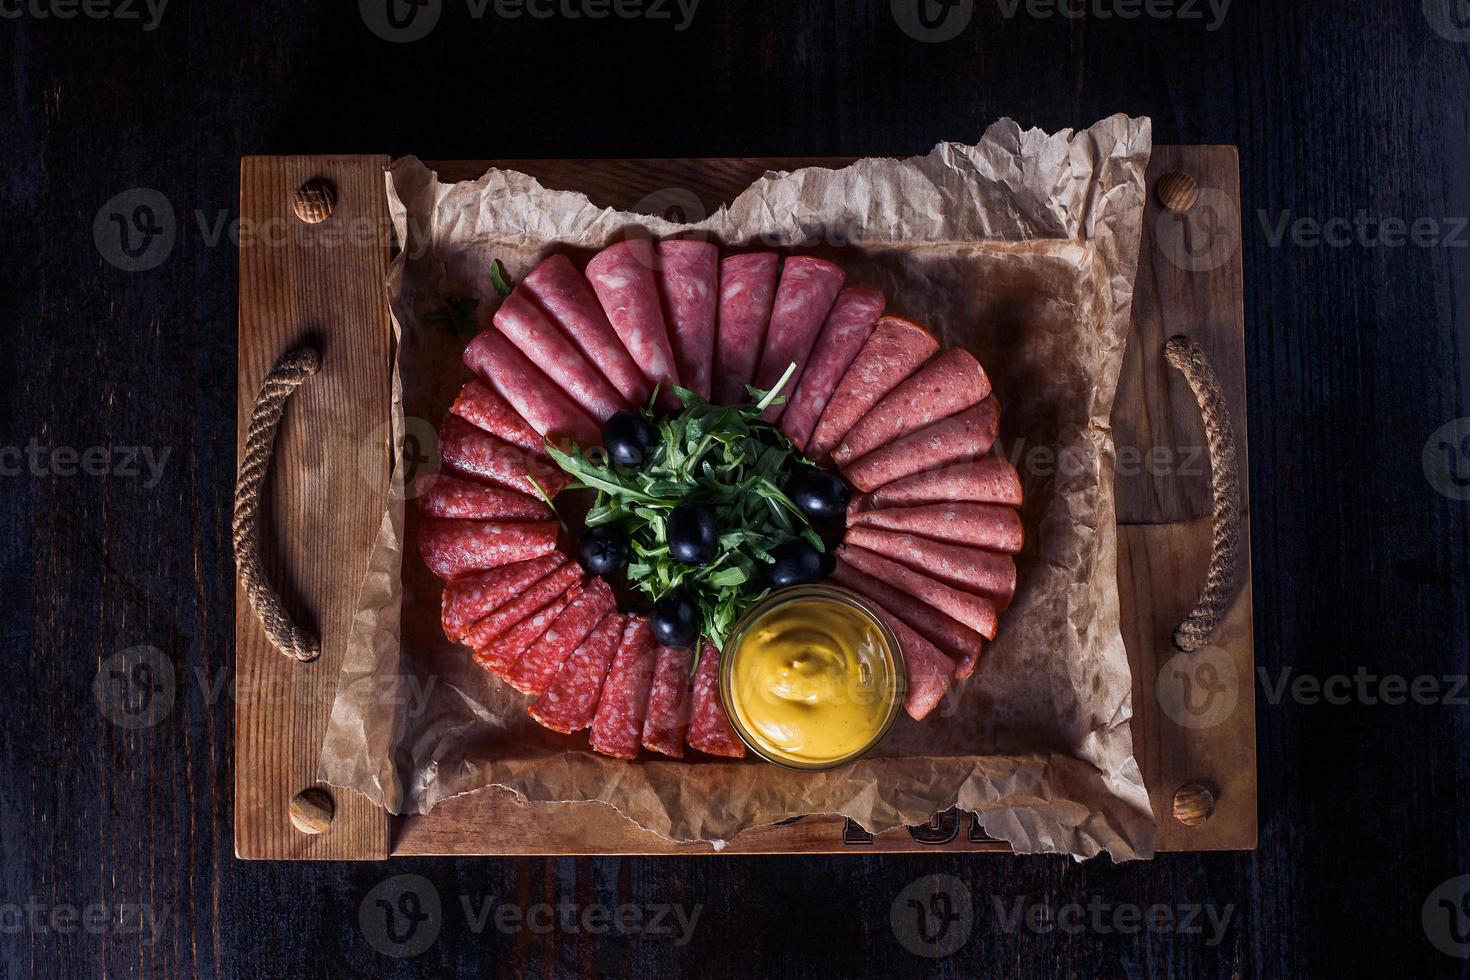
x=283, y=379
x=1197, y=628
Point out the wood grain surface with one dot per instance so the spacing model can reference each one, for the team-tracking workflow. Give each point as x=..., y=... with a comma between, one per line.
x=1357, y=353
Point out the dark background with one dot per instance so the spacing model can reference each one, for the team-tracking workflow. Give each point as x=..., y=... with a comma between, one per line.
x=1356, y=354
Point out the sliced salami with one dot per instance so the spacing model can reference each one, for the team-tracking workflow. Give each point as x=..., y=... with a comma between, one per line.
x=983, y=572
x=535, y=597
x=569, y=702
x=747, y=290
x=503, y=655
x=958, y=641
x=452, y=548
x=441, y=495
x=689, y=282
x=541, y=340
x=803, y=299
x=990, y=526
x=480, y=406
x=851, y=320
x=894, y=351
x=930, y=673
x=617, y=725
x=472, y=452
x=534, y=396
x=959, y=438
x=988, y=481
x=668, y=703
x=974, y=611
x=622, y=276
x=950, y=383
x=470, y=598
x=536, y=669
x=564, y=293
x=709, y=728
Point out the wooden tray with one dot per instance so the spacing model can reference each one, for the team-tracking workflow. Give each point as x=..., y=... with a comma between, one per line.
x=323, y=284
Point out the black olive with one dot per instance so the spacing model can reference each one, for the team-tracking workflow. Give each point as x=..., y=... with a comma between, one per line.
x=796, y=563
x=676, y=621
x=693, y=535
x=822, y=496
x=603, y=549
x=630, y=439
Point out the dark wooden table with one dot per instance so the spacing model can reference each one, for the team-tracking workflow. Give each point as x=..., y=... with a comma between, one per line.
x=1354, y=142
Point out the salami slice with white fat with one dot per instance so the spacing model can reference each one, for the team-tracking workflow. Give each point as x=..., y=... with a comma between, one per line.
x=492, y=627
x=564, y=293
x=617, y=725
x=472, y=452
x=501, y=658
x=623, y=278
x=976, y=570
x=481, y=406
x=808, y=288
x=991, y=526
x=950, y=383
x=470, y=598
x=959, y=438
x=441, y=495
x=542, y=341
x=895, y=349
x=539, y=665
x=668, y=703
x=747, y=290
x=988, y=481
x=930, y=673
x=689, y=282
x=974, y=611
x=958, y=641
x=534, y=396
x=569, y=702
x=709, y=728
x=452, y=548
x=851, y=320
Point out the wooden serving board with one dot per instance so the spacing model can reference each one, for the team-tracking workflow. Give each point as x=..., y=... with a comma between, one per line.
x=324, y=284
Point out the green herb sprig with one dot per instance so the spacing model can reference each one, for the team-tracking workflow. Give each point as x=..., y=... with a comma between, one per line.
x=725, y=457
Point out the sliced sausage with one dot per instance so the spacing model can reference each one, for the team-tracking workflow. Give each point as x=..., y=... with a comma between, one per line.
x=747, y=290
x=958, y=641
x=803, y=299
x=709, y=728
x=538, y=666
x=617, y=725
x=502, y=657
x=564, y=293
x=481, y=406
x=895, y=350
x=668, y=703
x=623, y=278
x=535, y=597
x=452, y=548
x=441, y=495
x=470, y=598
x=853, y=315
x=950, y=383
x=470, y=451
x=541, y=340
x=689, y=282
x=959, y=438
x=983, y=572
x=992, y=526
x=534, y=396
x=974, y=611
x=988, y=481
x=568, y=704
x=930, y=673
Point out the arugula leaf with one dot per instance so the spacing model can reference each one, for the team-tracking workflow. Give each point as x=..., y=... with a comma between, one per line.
x=498, y=280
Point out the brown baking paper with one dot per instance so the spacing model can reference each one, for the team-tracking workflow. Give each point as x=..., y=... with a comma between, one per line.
x=1023, y=248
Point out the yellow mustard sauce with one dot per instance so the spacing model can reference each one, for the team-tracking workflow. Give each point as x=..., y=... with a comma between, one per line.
x=812, y=681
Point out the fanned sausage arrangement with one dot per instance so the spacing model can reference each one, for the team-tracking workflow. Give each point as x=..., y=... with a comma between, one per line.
x=932, y=530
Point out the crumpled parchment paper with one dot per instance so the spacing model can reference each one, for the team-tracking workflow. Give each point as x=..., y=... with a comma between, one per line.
x=1023, y=248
